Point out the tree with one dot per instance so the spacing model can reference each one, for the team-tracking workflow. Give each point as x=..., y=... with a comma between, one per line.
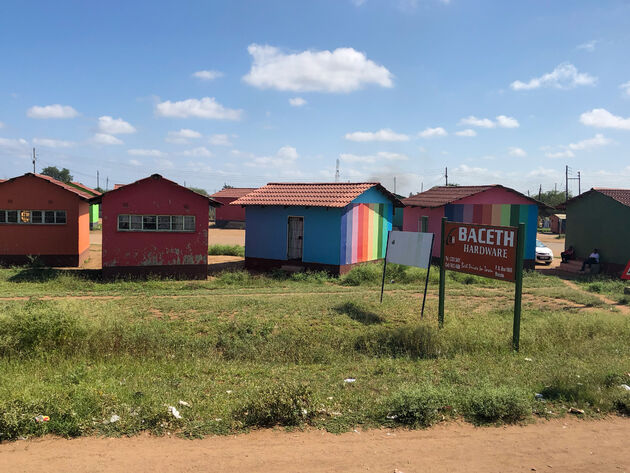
x=198, y=190
x=227, y=186
x=553, y=198
x=62, y=175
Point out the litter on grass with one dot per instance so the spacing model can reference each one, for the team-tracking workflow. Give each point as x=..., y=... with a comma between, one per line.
x=184, y=403
x=174, y=412
x=349, y=380
x=42, y=418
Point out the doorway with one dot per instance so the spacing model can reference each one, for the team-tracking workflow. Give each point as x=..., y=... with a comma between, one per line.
x=295, y=242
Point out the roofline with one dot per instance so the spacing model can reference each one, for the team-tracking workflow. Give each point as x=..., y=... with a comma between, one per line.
x=487, y=188
x=593, y=189
x=86, y=199
x=99, y=198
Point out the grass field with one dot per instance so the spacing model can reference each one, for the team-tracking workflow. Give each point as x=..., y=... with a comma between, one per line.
x=246, y=351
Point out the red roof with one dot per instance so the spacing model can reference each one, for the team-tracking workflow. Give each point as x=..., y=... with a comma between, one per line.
x=84, y=187
x=233, y=192
x=441, y=195
x=80, y=193
x=336, y=194
x=620, y=195
x=118, y=186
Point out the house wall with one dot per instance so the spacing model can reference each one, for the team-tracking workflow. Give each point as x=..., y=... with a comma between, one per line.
x=266, y=233
x=598, y=221
x=492, y=207
x=152, y=250
x=227, y=212
x=94, y=212
x=56, y=245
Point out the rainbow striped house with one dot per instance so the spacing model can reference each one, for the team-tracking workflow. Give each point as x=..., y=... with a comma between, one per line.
x=316, y=226
x=490, y=205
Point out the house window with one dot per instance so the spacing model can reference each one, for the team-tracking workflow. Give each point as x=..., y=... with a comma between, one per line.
x=37, y=217
x=156, y=223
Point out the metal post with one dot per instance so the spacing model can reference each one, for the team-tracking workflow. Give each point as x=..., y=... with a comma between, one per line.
x=566, y=185
x=426, y=282
x=442, y=277
x=518, y=291
x=385, y=266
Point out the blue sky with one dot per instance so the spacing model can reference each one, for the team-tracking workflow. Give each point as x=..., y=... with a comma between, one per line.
x=249, y=92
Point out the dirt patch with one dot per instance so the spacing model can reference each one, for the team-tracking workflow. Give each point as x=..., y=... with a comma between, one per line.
x=567, y=445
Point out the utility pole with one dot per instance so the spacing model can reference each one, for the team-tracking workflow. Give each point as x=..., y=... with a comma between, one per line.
x=579, y=183
x=97, y=183
x=446, y=175
x=566, y=181
x=337, y=171
x=540, y=192
x=107, y=183
x=394, y=184
x=34, y=159
x=422, y=186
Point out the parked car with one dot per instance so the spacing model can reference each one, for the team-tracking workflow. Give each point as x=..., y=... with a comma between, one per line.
x=543, y=253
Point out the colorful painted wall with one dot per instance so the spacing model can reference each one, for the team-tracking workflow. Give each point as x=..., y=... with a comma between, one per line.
x=364, y=229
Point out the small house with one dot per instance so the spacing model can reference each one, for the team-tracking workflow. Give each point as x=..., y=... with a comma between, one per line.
x=329, y=227
x=557, y=223
x=43, y=219
x=94, y=208
x=490, y=205
x=600, y=218
x=230, y=215
x=155, y=226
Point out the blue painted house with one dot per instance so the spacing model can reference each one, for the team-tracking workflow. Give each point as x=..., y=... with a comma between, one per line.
x=327, y=227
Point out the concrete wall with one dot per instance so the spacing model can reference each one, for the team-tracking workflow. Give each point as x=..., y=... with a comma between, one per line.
x=227, y=212
x=598, y=221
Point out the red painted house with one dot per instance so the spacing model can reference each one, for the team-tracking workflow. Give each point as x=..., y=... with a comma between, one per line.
x=155, y=226
x=230, y=213
x=44, y=218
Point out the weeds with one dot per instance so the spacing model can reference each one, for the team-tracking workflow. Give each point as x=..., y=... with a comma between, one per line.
x=417, y=406
x=489, y=405
x=284, y=405
x=228, y=250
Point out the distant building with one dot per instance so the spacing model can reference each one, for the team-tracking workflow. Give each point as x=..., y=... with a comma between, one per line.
x=600, y=218
x=557, y=223
x=490, y=205
x=155, y=226
x=230, y=214
x=327, y=227
x=94, y=208
x=45, y=219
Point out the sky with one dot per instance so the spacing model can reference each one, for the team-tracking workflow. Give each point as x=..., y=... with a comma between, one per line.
x=243, y=93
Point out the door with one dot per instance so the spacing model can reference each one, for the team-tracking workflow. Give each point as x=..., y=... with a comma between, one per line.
x=295, y=238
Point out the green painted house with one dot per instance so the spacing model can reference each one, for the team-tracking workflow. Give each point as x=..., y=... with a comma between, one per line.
x=600, y=218
x=95, y=209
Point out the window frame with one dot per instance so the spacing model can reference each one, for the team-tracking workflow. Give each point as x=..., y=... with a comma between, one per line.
x=31, y=215
x=172, y=218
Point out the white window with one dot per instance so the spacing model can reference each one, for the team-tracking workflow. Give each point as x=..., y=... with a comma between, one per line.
x=37, y=217
x=156, y=223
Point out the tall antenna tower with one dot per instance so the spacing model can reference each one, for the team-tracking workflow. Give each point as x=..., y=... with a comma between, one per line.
x=337, y=171
x=34, y=159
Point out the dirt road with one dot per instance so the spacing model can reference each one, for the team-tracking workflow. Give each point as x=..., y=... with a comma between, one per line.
x=567, y=445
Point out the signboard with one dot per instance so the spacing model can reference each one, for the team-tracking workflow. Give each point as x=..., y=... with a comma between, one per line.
x=626, y=272
x=409, y=248
x=483, y=250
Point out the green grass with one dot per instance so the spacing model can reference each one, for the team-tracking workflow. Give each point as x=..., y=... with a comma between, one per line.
x=229, y=250
x=247, y=351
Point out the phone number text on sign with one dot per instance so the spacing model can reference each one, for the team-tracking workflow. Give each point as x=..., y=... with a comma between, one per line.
x=483, y=250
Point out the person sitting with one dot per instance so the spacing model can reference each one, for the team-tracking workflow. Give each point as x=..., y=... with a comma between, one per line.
x=568, y=254
x=593, y=258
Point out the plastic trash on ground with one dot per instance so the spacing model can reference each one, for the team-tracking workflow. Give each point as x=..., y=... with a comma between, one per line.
x=174, y=412
x=349, y=380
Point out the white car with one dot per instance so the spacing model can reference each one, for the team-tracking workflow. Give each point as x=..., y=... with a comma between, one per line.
x=543, y=253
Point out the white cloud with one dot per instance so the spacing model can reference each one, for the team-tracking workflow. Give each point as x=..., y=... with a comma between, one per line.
x=476, y=172
x=52, y=111
x=287, y=155
x=588, y=46
x=433, y=132
x=478, y=122
x=560, y=154
x=135, y=162
x=220, y=140
x=297, y=102
x=381, y=135
x=519, y=152
x=507, y=122
x=596, y=141
x=207, y=75
x=564, y=76
x=342, y=70
x=467, y=132
x=357, y=3
x=182, y=136
x=105, y=139
x=602, y=118
x=199, y=152
x=114, y=126
x=625, y=87
x=164, y=164
x=14, y=146
x=373, y=158
x=207, y=107
x=146, y=152
x=49, y=143
x=1, y=125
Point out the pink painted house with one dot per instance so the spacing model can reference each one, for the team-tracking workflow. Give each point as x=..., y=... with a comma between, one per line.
x=490, y=205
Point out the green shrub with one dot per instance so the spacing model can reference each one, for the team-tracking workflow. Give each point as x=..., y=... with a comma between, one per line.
x=228, y=250
x=622, y=404
x=234, y=277
x=497, y=404
x=420, y=341
x=568, y=388
x=284, y=404
x=595, y=287
x=417, y=406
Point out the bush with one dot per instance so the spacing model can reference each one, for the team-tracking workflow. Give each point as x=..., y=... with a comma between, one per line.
x=228, y=250
x=568, y=389
x=595, y=287
x=493, y=405
x=417, y=406
x=419, y=341
x=285, y=405
x=234, y=277
x=622, y=404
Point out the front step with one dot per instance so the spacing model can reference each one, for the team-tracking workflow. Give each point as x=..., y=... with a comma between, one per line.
x=290, y=268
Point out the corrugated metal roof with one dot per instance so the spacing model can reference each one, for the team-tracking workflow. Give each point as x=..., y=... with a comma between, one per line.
x=233, y=192
x=620, y=195
x=441, y=195
x=335, y=194
x=82, y=194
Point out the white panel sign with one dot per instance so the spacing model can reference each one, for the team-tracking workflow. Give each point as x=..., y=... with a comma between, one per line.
x=409, y=248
